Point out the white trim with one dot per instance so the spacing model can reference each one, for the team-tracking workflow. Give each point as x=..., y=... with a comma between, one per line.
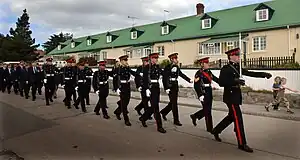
x=89, y=42
x=203, y=23
x=230, y=43
x=108, y=39
x=59, y=47
x=163, y=30
x=258, y=12
x=73, y=45
x=134, y=35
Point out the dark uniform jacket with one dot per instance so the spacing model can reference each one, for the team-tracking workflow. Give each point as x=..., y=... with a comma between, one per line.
x=203, y=79
x=170, y=76
x=100, y=81
x=81, y=78
x=34, y=74
x=70, y=75
x=229, y=79
x=49, y=73
x=141, y=80
x=154, y=74
x=122, y=75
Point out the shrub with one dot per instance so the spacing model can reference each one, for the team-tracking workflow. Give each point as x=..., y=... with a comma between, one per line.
x=91, y=60
x=288, y=65
x=164, y=63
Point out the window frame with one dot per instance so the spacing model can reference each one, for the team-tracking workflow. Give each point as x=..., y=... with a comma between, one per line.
x=88, y=42
x=203, y=23
x=108, y=39
x=72, y=44
x=134, y=35
x=163, y=30
x=59, y=47
x=259, y=39
x=259, y=14
x=161, y=50
x=203, y=49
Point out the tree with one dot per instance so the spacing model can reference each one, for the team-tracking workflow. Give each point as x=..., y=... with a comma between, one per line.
x=55, y=40
x=22, y=45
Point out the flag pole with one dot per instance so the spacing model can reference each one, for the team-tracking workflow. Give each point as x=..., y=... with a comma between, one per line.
x=240, y=46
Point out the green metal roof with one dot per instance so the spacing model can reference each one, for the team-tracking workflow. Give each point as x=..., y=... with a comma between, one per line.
x=229, y=21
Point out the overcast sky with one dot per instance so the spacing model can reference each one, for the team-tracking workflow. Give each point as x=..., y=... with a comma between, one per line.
x=84, y=17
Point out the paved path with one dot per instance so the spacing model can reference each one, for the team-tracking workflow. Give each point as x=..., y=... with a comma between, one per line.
x=36, y=131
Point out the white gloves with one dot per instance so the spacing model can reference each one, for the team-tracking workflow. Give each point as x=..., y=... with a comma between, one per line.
x=26, y=82
x=148, y=93
x=97, y=92
x=168, y=91
x=45, y=80
x=118, y=91
x=63, y=86
x=76, y=88
x=191, y=81
x=140, y=89
x=201, y=98
x=174, y=69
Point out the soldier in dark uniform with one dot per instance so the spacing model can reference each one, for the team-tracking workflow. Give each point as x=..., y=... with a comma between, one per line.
x=140, y=81
x=34, y=73
x=19, y=70
x=15, y=79
x=49, y=80
x=89, y=76
x=70, y=79
x=231, y=80
x=123, y=88
x=24, y=81
x=75, y=69
x=203, y=88
x=81, y=86
x=2, y=77
x=9, y=73
x=101, y=87
x=170, y=82
x=40, y=79
x=153, y=91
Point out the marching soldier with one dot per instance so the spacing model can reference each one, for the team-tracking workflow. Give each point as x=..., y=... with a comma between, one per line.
x=19, y=71
x=69, y=82
x=89, y=74
x=14, y=78
x=3, y=75
x=49, y=81
x=10, y=78
x=40, y=79
x=75, y=69
x=153, y=91
x=170, y=82
x=202, y=86
x=231, y=80
x=101, y=87
x=81, y=87
x=123, y=88
x=141, y=81
x=34, y=73
x=24, y=81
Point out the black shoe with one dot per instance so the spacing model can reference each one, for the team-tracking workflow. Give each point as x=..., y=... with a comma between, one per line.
x=9, y=92
x=76, y=106
x=161, y=130
x=97, y=113
x=177, y=123
x=150, y=118
x=217, y=138
x=54, y=97
x=194, y=119
x=106, y=116
x=51, y=100
x=127, y=123
x=26, y=97
x=143, y=122
x=47, y=104
x=33, y=99
x=69, y=107
x=88, y=104
x=163, y=116
x=118, y=116
x=84, y=110
x=246, y=148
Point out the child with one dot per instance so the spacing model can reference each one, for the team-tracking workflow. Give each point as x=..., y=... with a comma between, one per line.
x=281, y=97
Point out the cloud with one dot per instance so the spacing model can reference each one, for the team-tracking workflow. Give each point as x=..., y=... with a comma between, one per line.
x=84, y=17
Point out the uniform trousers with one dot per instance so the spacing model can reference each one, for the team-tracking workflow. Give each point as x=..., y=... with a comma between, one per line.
x=144, y=103
x=24, y=88
x=69, y=91
x=235, y=116
x=33, y=89
x=82, y=89
x=173, y=104
x=49, y=89
x=16, y=86
x=102, y=101
x=154, y=109
x=124, y=101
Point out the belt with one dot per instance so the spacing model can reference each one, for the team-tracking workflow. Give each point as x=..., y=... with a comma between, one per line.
x=154, y=80
x=49, y=75
x=89, y=76
x=207, y=85
x=103, y=82
x=124, y=81
x=81, y=81
x=173, y=79
x=67, y=78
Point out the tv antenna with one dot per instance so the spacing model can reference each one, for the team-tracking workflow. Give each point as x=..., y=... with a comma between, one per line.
x=133, y=20
x=165, y=14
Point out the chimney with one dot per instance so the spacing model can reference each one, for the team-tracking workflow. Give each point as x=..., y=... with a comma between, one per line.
x=200, y=9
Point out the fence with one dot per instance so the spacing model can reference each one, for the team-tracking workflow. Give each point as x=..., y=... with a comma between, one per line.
x=258, y=63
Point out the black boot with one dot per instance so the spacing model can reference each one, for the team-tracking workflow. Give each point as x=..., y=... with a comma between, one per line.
x=245, y=148
x=164, y=116
x=118, y=116
x=106, y=116
x=194, y=119
x=161, y=130
x=143, y=122
x=177, y=123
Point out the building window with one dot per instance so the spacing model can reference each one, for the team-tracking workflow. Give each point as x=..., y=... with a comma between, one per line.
x=137, y=53
x=73, y=45
x=147, y=51
x=89, y=42
x=210, y=49
x=206, y=23
x=231, y=45
x=108, y=39
x=165, y=30
x=161, y=50
x=134, y=35
x=59, y=47
x=103, y=55
x=262, y=15
x=128, y=53
x=259, y=43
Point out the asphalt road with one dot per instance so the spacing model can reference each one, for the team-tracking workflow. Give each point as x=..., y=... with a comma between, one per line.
x=35, y=131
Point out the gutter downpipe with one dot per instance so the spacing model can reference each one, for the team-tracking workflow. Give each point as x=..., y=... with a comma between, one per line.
x=173, y=45
x=289, y=39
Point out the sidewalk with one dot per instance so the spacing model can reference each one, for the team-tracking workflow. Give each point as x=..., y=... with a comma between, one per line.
x=250, y=109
